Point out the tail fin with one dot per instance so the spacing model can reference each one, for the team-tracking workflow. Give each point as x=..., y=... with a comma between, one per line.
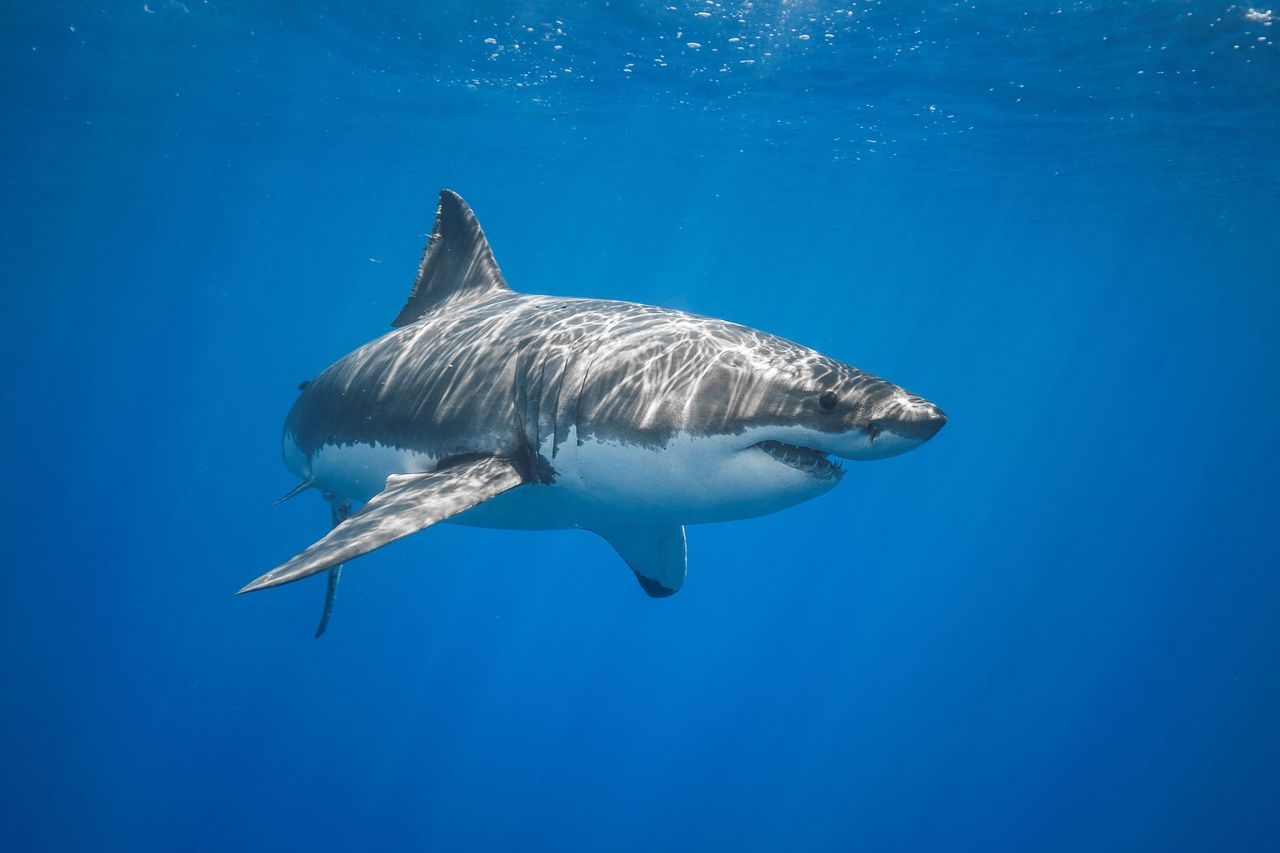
x=341, y=512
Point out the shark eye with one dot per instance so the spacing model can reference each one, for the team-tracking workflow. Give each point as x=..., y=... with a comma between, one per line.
x=828, y=400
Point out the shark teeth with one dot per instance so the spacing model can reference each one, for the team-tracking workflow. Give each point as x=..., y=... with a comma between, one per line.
x=802, y=459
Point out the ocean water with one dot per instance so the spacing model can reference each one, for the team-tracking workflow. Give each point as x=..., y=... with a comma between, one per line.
x=1056, y=626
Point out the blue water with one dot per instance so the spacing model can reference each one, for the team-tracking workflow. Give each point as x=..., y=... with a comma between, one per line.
x=1054, y=627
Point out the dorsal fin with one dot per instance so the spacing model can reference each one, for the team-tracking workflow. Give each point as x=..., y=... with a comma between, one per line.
x=457, y=262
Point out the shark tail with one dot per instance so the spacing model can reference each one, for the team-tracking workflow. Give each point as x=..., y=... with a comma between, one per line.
x=340, y=512
x=330, y=593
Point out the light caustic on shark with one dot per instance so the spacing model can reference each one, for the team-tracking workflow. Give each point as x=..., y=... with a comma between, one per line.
x=493, y=408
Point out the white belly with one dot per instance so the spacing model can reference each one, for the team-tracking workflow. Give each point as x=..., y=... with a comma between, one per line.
x=689, y=481
x=357, y=472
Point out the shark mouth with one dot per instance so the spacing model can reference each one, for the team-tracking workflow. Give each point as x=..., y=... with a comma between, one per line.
x=802, y=459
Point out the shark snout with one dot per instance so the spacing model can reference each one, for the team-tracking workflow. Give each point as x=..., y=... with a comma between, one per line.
x=918, y=421
x=904, y=424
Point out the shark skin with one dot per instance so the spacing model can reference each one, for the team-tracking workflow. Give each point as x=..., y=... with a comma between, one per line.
x=492, y=408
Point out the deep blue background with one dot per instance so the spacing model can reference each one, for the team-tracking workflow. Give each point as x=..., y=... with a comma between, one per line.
x=1055, y=627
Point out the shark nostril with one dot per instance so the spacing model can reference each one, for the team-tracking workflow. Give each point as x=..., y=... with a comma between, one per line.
x=873, y=430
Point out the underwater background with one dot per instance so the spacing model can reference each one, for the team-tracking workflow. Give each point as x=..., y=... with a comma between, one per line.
x=1056, y=626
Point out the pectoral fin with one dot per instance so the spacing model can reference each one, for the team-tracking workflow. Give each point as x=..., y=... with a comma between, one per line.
x=409, y=503
x=655, y=553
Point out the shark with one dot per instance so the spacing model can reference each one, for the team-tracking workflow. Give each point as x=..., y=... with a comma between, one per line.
x=492, y=408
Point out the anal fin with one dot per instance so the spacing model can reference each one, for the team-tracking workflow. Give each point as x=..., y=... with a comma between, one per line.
x=409, y=503
x=656, y=554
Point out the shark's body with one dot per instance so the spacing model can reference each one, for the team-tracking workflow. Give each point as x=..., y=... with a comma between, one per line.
x=498, y=409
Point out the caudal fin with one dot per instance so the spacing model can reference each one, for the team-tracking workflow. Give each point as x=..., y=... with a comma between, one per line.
x=340, y=511
x=330, y=593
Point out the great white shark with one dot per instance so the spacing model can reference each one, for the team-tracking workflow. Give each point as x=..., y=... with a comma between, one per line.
x=492, y=408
